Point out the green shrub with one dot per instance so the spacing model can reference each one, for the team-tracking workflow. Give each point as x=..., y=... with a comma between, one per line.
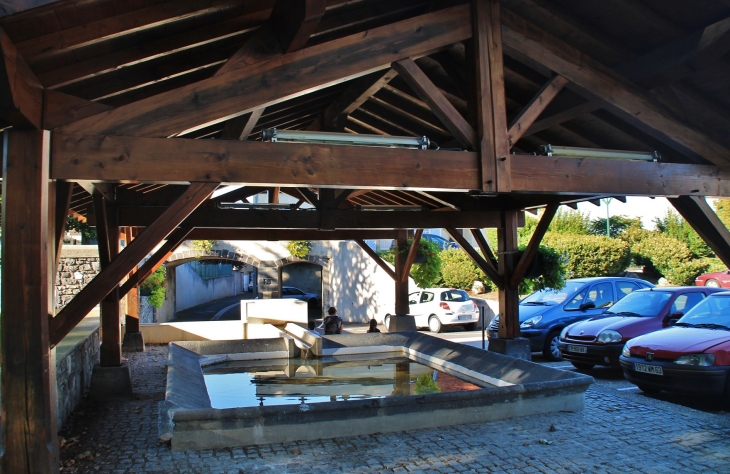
x=674, y=226
x=156, y=286
x=552, y=271
x=589, y=255
x=684, y=273
x=203, y=247
x=426, y=274
x=715, y=265
x=299, y=248
x=617, y=225
x=670, y=257
x=458, y=270
x=568, y=221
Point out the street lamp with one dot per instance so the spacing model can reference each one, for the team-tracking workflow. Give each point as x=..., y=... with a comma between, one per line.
x=607, y=201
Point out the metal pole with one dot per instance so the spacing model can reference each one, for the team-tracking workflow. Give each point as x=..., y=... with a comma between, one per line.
x=484, y=329
x=608, y=226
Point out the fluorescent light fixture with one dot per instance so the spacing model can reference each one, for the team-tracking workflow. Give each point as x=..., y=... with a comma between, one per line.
x=389, y=208
x=295, y=136
x=575, y=152
x=260, y=206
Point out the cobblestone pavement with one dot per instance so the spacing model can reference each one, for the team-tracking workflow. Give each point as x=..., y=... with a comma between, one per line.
x=612, y=435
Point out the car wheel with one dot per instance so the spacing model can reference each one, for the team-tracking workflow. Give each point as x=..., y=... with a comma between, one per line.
x=471, y=326
x=712, y=283
x=386, y=322
x=582, y=366
x=646, y=389
x=551, y=351
x=434, y=324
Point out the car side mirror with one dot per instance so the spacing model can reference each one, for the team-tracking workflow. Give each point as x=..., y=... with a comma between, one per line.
x=588, y=305
x=674, y=317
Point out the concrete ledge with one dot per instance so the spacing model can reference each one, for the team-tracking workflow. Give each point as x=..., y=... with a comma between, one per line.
x=110, y=382
x=511, y=387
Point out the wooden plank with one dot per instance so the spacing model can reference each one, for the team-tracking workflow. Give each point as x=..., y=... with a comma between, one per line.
x=262, y=46
x=287, y=234
x=617, y=177
x=101, y=230
x=280, y=79
x=64, y=193
x=705, y=222
x=354, y=96
x=29, y=417
x=131, y=318
x=113, y=27
x=60, y=109
x=411, y=256
x=102, y=158
x=295, y=21
x=480, y=262
x=402, y=306
x=308, y=219
x=599, y=83
x=388, y=270
x=484, y=247
x=439, y=105
x=531, y=251
x=110, y=349
x=561, y=117
x=534, y=108
x=308, y=195
x=498, y=96
x=251, y=123
x=509, y=296
x=158, y=258
x=103, y=283
x=21, y=94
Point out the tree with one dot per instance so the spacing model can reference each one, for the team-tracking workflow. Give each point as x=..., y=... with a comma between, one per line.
x=674, y=226
x=617, y=224
x=569, y=221
x=722, y=208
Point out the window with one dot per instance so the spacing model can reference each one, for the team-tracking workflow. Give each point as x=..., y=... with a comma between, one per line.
x=601, y=294
x=685, y=302
x=455, y=295
x=577, y=300
x=413, y=298
x=426, y=297
x=625, y=287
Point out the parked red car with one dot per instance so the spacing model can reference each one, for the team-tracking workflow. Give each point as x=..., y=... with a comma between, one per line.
x=714, y=279
x=692, y=356
x=600, y=339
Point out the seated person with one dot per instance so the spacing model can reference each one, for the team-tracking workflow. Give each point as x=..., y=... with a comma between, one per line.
x=311, y=325
x=373, y=326
x=332, y=323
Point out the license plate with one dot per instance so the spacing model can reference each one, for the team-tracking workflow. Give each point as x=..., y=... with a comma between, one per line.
x=648, y=369
x=579, y=349
x=464, y=317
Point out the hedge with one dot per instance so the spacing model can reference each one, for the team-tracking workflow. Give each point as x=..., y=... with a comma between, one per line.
x=589, y=255
x=458, y=270
x=671, y=257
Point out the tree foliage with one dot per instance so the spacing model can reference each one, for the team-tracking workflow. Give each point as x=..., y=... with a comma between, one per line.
x=87, y=232
x=568, y=221
x=617, y=225
x=589, y=255
x=426, y=274
x=299, y=248
x=673, y=225
x=156, y=285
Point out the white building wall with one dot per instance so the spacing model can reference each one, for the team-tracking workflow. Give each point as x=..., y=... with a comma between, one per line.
x=191, y=290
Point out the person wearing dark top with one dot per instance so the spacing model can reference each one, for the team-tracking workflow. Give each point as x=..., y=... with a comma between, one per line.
x=332, y=323
x=373, y=326
x=311, y=325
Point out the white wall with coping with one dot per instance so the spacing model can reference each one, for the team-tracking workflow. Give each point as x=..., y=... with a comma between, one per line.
x=192, y=290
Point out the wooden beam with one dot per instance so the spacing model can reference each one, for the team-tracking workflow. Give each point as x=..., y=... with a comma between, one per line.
x=131, y=318
x=680, y=58
x=251, y=123
x=389, y=271
x=402, y=306
x=484, y=265
x=64, y=193
x=103, y=283
x=342, y=197
x=442, y=108
x=309, y=219
x=705, y=222
x=277, y=164
x=308, y=195
x=295, y=21
x=484, y=247
x=490, y=97
x=534, y=108
x=29, y=419
x=262, y=46
x=60, y=109
x=599, y=83
x=354, y=96
x=411, y=256
x=287, y=234
x=561, y=117
x=509, y=296
x=279, y=79
x=617, y=177
x=158, y=258
x=21, y=93
x=531, y=251
x=101, y=230
x=110, y=349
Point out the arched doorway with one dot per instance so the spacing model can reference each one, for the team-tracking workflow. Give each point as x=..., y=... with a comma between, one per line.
x=303, y=280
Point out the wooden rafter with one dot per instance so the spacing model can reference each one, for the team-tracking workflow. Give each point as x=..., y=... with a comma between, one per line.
x=295, y=21
x=705, y=222
x=534, y=108
x=484, y=265
x=388, y=270
x=354, y=96
x=412, y=252
x=21, y=94
x=531, y=251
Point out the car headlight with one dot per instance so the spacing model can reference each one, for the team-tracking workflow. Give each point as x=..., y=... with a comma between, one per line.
x=696, y=359
x=564, y=333
x=531, y=322
x=626, y=352
x=609, y=336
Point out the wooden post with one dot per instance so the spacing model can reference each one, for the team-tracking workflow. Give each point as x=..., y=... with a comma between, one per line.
x=401, y=288
x=509, y=297
x=28, y=367
x=111, y=344
x=131, y=319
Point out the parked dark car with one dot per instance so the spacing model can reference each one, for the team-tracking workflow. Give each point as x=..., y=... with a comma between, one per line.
x=545, y=313
x=293, y=292
x=714, y=279
x=692, y=356
x=600, y=339
x=443, y=243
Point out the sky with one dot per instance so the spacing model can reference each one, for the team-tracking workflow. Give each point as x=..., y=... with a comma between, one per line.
x=646, y=208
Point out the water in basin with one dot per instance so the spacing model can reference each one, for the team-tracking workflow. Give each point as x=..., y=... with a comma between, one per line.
x=295, y=381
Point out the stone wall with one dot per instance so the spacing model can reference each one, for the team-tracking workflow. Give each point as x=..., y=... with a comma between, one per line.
x=78, y=265
x=73, y=374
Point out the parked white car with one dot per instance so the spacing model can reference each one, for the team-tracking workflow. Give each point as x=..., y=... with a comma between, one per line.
x=435, y=308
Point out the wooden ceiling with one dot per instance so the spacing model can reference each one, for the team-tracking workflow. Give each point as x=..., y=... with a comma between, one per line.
x=118, y=52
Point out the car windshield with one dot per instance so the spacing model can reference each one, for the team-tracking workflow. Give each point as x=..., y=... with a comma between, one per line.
x=550, y=297
x=712, y=313
x=644, y=304
x=454, y=295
